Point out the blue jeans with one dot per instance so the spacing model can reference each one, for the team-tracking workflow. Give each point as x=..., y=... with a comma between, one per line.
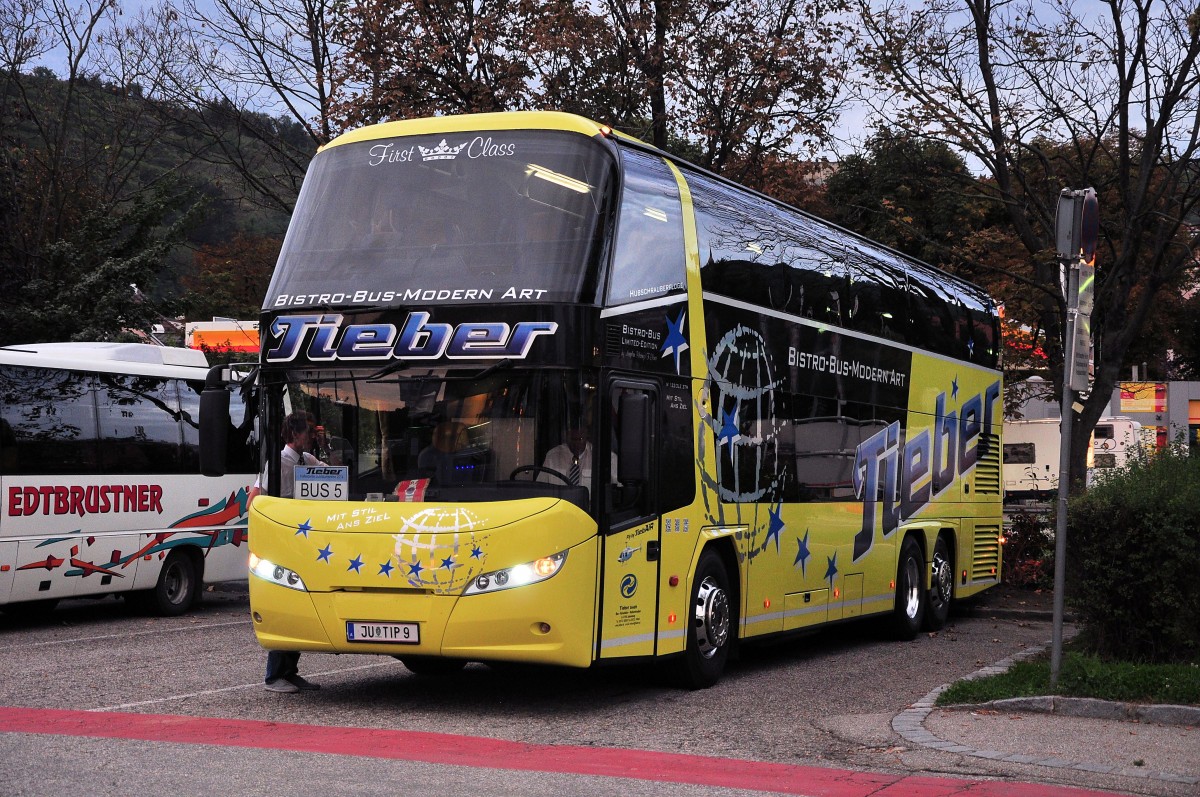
x=281, y=664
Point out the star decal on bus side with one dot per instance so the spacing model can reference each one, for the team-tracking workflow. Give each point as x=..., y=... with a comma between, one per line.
x=802, y=554
x=831, y=570
x=323, y=554
x=448, y=563
x=386, y=569
x=776, y=525
x=676, y=342
x=304, y=528
x=954, y=388
x=729, y=429
x=356, y=564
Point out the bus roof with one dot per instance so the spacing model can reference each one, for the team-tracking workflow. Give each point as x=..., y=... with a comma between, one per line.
x=507, y=120
x=105, y=356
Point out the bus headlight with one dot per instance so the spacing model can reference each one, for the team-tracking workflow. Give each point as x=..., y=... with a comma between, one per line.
x=518, y=576
x=276, y=574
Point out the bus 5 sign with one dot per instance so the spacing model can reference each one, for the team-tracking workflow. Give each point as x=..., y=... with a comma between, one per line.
x=322, y=482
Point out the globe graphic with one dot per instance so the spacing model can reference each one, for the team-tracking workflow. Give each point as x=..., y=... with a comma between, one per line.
x=740, y=388
x=437, y=548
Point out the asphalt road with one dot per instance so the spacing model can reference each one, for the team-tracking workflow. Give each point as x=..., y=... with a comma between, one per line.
x=826, y=701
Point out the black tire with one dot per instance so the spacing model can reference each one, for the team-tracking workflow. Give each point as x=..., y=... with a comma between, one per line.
x=176, y=591
x=941, y=586
x=432, y=665
x=911, y=598
x=712, y=624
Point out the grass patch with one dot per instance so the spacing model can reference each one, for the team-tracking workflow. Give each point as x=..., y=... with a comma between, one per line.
x=1084, y=676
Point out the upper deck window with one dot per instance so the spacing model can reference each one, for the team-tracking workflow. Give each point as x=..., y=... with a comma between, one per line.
x=468, y=217
x=648, y=262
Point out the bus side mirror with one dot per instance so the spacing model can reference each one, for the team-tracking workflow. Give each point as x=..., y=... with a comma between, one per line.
x=633, y=460
x=214, y=424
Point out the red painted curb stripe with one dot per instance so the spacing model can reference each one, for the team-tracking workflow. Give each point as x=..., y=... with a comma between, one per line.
x=482, y=752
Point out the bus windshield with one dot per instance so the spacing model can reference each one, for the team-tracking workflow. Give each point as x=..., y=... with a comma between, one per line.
x=473, y=217
x=451, y=435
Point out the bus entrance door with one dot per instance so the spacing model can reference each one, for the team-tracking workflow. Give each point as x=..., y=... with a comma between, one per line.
x=629, y=603
x=629, y=578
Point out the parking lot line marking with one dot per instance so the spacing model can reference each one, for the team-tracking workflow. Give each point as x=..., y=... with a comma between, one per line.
x=235, y=688
x=154, y=632
x=481, y=752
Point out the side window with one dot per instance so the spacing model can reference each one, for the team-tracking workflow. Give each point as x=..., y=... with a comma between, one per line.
x=139, y=424
x=1019, y=454
x=649, y=257
x=47, y=421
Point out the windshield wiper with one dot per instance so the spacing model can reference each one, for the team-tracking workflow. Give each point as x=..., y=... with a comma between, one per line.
x=390, y=368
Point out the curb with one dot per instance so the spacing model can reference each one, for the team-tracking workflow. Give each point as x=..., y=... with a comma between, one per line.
x=910, y=724
x=1161, y=714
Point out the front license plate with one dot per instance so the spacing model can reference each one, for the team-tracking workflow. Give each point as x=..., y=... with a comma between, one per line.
x=385, y=633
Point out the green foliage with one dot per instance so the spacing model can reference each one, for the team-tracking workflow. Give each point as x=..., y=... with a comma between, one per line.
x=1029, y=551
x=1133, y=559
x=83, y=287
x=1084, y=676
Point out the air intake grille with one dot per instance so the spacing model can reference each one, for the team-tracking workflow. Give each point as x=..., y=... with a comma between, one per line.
x=987, y=470
x=985, y=564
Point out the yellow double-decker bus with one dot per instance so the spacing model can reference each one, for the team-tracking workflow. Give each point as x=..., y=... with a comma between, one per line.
x=586, y=403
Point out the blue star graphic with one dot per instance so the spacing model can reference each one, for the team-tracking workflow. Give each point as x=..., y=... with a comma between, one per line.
x=971, y=348
x=448, y=563
x=323, y=554
x=676, y=342
x=385, y=569
x=304, y=528
x=415, y=569
x=356, y=564
x=954, y=388
x=476, y=552
x=729, y=430
x=775, y=525
x=802, y=554
x=831, y=570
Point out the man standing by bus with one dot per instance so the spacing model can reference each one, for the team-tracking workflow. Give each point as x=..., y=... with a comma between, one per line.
x=298, y=431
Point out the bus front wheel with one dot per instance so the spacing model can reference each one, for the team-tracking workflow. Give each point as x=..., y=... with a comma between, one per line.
x=911, y=597
x=711, y=625
x=177, y=588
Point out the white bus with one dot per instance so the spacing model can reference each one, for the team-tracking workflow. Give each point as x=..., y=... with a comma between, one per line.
x=100, y=489
x=1031, y=454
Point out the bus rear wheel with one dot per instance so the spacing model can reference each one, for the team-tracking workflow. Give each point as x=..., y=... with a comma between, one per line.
x=941, y=588
x=177, y=588
x=711, y=623
x=911, y=597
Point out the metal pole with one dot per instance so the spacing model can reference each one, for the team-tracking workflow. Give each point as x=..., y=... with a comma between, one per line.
x=1060, y=527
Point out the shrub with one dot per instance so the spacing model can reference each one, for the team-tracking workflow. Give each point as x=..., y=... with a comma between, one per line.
x=1029, y=551
x=1133, y=555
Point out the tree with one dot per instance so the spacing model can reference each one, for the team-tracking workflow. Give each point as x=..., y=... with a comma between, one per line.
x=733, y=82
x=428, y=57
x=1045, y=96
x=85, y=212
x=230, y=279
x=255, y=81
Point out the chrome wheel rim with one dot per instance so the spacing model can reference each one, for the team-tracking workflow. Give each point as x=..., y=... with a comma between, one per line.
x=711, y=619
x=943, y=578
x=912, y=588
